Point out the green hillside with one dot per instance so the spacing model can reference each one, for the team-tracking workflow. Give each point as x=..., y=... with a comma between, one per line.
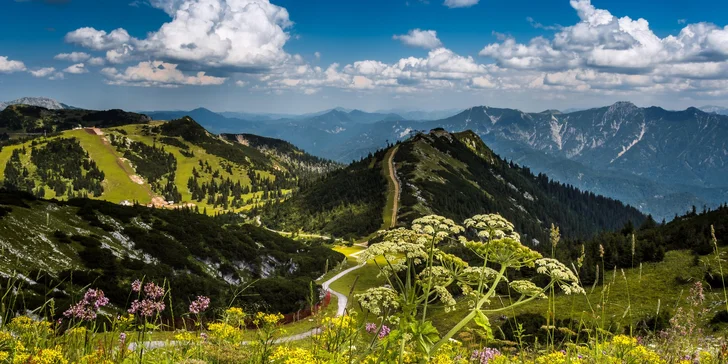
x=19, y=119
x=165, y=164
x=82, y=241
x=453, y=175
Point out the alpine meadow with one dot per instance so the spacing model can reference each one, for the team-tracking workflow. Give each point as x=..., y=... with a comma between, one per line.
x=379, y=181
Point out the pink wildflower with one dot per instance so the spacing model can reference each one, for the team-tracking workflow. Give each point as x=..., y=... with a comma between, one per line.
x=153, y=291
x=87, y=308
x=199, y=305
x=371, y=327
x=136, y=286
x=384, y=331
x=484, y=356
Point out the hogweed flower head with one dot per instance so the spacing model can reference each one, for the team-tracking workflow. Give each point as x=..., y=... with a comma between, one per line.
x=492, y=226
x=559, y=273
x=378, y=299
x=436, y=226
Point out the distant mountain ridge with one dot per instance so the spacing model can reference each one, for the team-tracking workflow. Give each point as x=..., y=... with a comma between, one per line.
x=715, y=109
x=45, y=102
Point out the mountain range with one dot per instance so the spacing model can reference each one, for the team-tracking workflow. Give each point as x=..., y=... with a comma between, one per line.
x=661, y=161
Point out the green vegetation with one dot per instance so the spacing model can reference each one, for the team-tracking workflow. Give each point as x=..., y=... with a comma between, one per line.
x=82, y=242
x=346, y=203
x=157, y=163
x=19, y=119
x=456, y=175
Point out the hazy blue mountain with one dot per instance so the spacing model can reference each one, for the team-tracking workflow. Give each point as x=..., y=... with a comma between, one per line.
x=208, y=119
x=715, y=109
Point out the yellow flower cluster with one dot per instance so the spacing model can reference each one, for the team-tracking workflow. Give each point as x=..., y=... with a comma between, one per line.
x=186, y=336
x=234, y=316
x=26, y=325
x=225, y=332
x=341, y=322
x=288, y=355
x=270, y=319
x=4, y=355
x=626, y=349
x=76, y=331
x=557, y=357
x=48, y=356
x=97, y=357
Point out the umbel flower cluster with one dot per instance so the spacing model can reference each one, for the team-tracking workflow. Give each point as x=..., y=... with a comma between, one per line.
x=420, y=272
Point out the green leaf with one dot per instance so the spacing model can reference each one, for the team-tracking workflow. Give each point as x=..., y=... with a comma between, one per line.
x=482, y=320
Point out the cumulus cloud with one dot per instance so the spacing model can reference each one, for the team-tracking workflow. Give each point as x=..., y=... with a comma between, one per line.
x=10, y=66
x=604, y=42
x=240, y=83
x=244, y=35
x=98, y=40
x=76, y=69
x=159, y=74
x=42, y=72
x=460, y=3
x=96, y=61
x=420, y=38
x=72, y=57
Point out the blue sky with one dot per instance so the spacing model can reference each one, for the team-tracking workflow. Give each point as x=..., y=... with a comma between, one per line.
x=302, y=56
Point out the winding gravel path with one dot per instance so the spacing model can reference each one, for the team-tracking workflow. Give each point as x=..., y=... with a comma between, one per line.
x=395, y=181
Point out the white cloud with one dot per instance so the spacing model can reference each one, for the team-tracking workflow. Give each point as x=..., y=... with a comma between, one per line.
x=240, y=83
x=460, y=3
x=244, y=35
x=57, y=76
x=96, y=61
x=157, y=74
x=72, y=57
x=420, y=38
x=606, y=43
x=76, y=69
x=10, y=66
x=42, y=72
x=317, y=55
x=682, y=21
x=98, y=40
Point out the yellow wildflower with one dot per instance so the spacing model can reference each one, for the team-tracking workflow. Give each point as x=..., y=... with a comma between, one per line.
x=262, y=318
x=186, y=336
x=76, y=331
x=225, y=332
x=623, y=340
x=4, y=355
x=287, y=355
x=234, y=316
x=49, y=356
